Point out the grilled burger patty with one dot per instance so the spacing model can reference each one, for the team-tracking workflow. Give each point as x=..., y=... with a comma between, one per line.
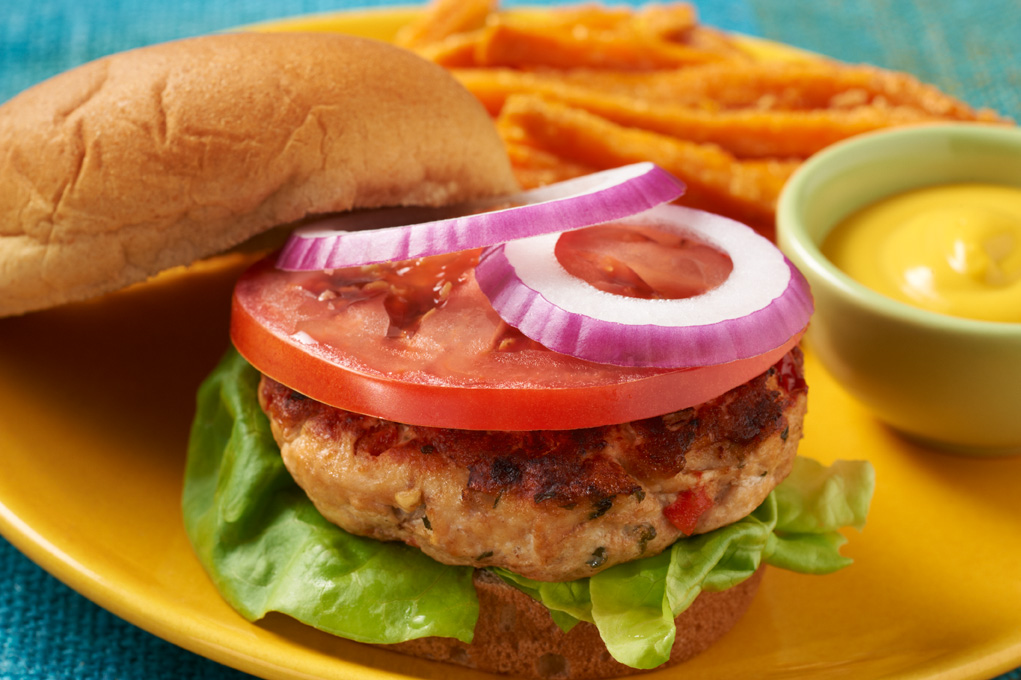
x=551, y=505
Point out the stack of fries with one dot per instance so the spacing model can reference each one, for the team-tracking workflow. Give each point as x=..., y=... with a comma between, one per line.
x=583, y=88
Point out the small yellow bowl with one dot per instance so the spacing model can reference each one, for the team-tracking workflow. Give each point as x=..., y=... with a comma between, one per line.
x=948, y=382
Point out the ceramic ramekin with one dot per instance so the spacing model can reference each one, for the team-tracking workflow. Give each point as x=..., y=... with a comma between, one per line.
x=949, y=382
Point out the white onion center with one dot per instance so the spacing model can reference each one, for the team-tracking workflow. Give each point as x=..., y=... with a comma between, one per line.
x=760, y=274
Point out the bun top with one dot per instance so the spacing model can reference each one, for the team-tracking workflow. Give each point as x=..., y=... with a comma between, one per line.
x=153, y=158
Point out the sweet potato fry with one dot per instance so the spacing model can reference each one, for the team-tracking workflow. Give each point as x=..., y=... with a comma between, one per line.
x=716, y=180
x=751, y=133
x=492, y=86
x=443, y=19
x=674, y=22
x=803, y=84
x=456, y=51
x=516, y=46
x=591, y=16
x=523, y=44
x=535, y=167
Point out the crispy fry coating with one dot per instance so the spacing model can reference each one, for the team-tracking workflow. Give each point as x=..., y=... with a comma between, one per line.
x=527, y=45
x=745, y=132
x=750, y=133
x=774, y=86
x=456, y=51
x=817, y=84
x=445, y=19
x=675, y=22
x=536, y=167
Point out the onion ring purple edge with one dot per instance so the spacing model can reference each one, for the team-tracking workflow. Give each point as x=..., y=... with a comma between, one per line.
x=618, y=344
x=643, y=186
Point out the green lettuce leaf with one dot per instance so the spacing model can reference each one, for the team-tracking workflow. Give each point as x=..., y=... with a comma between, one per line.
x=268, y=549
x=796, y=528
x=813, y=504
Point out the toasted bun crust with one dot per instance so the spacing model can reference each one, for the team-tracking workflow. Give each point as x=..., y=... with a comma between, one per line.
x=144, y=160
x=515, y=635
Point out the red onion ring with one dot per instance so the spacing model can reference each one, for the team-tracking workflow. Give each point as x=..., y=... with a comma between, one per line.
x=764, y=301
x=402, y=234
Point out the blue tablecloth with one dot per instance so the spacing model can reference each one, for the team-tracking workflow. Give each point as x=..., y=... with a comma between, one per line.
x=971, y=50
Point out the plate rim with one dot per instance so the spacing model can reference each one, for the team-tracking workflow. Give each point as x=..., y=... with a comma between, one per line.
x=999, y=656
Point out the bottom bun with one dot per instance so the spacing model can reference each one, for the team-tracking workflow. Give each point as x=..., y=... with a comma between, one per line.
x=516, y=636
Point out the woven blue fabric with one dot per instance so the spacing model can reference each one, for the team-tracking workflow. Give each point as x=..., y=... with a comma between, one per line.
x=47, y=631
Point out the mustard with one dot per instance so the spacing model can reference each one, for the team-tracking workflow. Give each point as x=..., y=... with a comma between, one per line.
x=953, y=249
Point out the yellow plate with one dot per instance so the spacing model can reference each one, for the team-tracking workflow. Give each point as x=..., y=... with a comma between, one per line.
x=97, y=400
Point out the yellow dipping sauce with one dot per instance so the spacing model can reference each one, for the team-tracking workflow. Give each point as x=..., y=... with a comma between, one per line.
x=953, y=249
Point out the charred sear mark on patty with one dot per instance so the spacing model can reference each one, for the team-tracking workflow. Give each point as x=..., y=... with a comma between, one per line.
x=733, y=422
x=554, y=468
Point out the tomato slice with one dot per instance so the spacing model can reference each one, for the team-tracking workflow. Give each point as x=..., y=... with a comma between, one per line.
x=419, y=343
